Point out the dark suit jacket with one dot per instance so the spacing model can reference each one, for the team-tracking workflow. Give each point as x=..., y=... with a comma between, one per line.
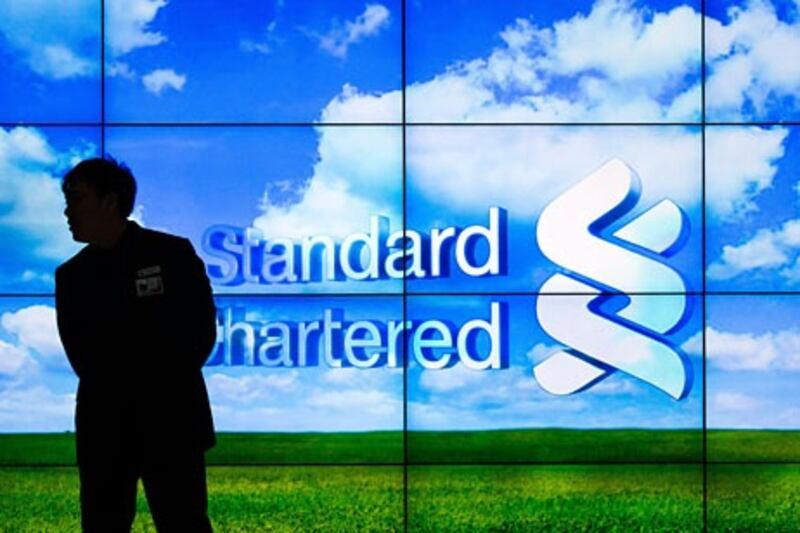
x=137, y=322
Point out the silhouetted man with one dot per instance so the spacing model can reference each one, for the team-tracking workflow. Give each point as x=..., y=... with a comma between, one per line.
x=137, y=320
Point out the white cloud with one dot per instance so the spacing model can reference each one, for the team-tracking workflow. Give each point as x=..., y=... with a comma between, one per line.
x=540, y=352
x=120, y=69
x=453, y=378
x=733, y=182
x=735, y=402
x=35, y=408
x=29, y=185
x=470, y=388
x=746, y=351
x=358, y=174
x=250, y=388
x=694, y=344
x=254, y=46
x=127, y=24
x=792, y=272
x=163, y=78
x=460, y=398
x=747, y=66
x=350, y=401
x=456, y=164
x=350, y=105
x=237, y=418
x=12, y=358
x=25, y=146
x=57, y=40
x=615, y=39
x=522, y=169
x=35, y=328
x=60, y=40
x=360, y=378
x=59, y=62
x=128, y=29
x=137, y=215
x=33, y=275
x=514, y=386
x=339, y=39
x=758, y=409
x=268, y=43
x=636, y=75
x=309, y=399
x=767, y=250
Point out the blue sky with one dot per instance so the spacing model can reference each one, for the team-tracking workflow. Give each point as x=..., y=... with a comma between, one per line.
x=50, y=61
x=261, y=61
x=340, y=62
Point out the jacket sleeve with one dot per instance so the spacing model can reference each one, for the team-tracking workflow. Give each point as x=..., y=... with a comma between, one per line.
x=67, y=326
x=198, y=310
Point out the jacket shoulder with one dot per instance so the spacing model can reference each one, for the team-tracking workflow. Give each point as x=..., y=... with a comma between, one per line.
x=164, y=244
x=161, y=239
x=74, y=263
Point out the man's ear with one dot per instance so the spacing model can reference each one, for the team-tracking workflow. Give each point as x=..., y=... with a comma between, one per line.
x=110, y=201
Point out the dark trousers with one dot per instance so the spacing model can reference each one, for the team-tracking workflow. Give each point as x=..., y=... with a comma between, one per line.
x=174, y=483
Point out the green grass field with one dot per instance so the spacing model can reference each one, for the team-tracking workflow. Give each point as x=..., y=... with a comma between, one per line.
x=614, y=497
x=331, y=498
x=619, y=498
x=502, y=446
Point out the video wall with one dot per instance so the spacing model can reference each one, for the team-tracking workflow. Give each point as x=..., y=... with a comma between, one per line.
x=464, y=216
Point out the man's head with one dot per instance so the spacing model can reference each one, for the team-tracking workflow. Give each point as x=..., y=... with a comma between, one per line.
x=99, y=193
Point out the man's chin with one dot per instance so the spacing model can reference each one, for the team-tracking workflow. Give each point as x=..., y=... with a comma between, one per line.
x=77, y=237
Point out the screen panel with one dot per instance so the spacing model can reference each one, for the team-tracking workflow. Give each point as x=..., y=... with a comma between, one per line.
x=554, y=62
x=272, y=209
x=254, y=61
x=753, y=375
x=753, y=236
x=746, y=79
x=37, y=385
x=748, y=496
x=505, y=379
x=568, y=497
x=33, y=227
x=50, y=61
x=328, y=364
x=502, y=208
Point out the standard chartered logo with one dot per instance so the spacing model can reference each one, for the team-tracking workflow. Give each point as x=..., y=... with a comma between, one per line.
x=609, y=333
x=622, y=298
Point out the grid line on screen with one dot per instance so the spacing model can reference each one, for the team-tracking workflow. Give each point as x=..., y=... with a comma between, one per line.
x=102, y=77
x=699, y=462
x=403, y=37
x=703, y=252
x=451, y=293
x=195, y=124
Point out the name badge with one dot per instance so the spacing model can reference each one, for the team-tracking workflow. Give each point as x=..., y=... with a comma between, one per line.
x=149, y=286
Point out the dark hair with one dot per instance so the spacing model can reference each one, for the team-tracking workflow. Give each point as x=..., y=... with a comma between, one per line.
x=105, y=175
